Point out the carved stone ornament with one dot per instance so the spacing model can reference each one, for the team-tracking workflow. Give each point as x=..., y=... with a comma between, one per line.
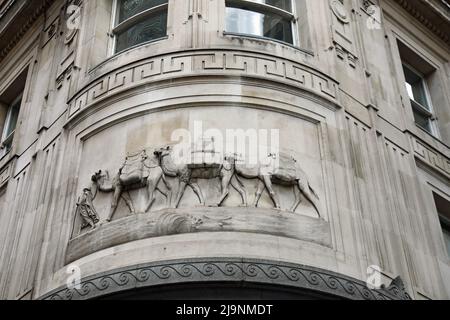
x=340, y=11
x=229, y=270
x=397, y=288
x=149, y=170
x=86, y=209
x=195, y=63
x=73, y=22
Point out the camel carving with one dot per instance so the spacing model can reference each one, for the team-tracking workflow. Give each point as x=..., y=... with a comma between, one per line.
x=285, y=172
x=138, y=171
x=143, y=171
x=186, y=173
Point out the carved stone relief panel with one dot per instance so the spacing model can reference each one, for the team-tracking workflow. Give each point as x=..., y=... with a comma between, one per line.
x=342, y=30
x=372, y=9
x=50, y=31
x=60, y=42
x=142, y=177
x=70, y=32
x=196, y=18
x=432, y=158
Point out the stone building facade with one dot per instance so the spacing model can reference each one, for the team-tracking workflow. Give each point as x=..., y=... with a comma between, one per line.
x=94, y=204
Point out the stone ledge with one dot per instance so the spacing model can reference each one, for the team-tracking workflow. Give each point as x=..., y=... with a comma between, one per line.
x=201, y=219
x=431, y=157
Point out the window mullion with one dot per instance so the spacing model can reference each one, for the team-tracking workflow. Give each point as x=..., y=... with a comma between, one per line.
x=294, y=24
x=421, y=109
x=124, y=25
x=8, y=140
x=260, y=7
x=111, y=34
x=6, y=126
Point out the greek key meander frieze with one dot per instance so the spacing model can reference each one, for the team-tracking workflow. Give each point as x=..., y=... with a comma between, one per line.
x=229, y=270
x=204, y=63
x=432, y=158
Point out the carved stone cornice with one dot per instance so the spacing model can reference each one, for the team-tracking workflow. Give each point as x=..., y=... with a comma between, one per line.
x=435, y=15
x=22, y=16
x=199, y=220
x=5, y=6
x=229, y=270
x=431, y=157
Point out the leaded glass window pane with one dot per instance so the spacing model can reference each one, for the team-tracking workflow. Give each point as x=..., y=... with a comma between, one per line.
x=256, y=23
x=129, y=8
x=154, y=27
x=12, y=117
x=415, y=87
x=140, y=21
x=10, y=125
x=285, y=5
x=422, y=121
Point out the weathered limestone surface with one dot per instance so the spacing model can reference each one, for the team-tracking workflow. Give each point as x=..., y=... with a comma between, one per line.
x=337, y=99
x=179, y=221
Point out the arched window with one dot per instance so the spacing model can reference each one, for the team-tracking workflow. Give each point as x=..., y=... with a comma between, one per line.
x=272, y=19
x=139, y=21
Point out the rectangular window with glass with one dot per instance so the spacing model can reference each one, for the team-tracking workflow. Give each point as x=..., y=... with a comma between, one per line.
x=418, y=94
x=420, y=78
x=10, y=124
x=10, y=103
x=446, y=232
x=443, y=210
x=139, y=21
x=272, y=19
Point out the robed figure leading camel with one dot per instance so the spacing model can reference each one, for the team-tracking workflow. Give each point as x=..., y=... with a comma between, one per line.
x=138, y=171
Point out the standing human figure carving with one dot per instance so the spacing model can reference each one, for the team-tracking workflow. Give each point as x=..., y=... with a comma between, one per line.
x=86, y=209
x=138, y=171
